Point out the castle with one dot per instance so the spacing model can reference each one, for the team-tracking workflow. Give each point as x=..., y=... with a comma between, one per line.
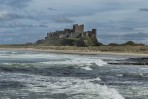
x=76, y=32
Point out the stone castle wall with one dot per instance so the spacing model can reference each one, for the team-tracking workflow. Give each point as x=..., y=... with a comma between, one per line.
x=76, y=32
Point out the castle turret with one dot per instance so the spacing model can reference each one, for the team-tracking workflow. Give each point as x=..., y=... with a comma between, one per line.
x=94, y=35
x=94, y=32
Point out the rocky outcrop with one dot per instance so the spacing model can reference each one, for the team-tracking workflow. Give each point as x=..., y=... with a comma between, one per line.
x=131, y=61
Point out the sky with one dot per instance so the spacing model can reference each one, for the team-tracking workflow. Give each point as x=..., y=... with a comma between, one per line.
x=118, y=21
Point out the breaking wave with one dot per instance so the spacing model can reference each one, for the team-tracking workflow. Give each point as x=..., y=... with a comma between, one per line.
x=12, y=58
x=55, y=76
x=68, y=87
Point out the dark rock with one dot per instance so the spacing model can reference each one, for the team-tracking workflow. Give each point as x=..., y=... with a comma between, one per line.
x=131, y=61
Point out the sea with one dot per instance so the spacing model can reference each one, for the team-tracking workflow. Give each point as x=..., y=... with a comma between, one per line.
x=41, y=75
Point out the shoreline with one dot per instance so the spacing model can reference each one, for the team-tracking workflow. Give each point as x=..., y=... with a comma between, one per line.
x=77, y=52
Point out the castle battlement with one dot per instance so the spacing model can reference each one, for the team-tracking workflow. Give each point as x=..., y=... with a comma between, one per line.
x=76, y=32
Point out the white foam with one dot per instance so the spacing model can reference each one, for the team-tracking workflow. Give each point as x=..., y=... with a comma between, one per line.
x=47, y=56
x=82, y=61
x=74, y=87
x=60, y=59
x=86, y=68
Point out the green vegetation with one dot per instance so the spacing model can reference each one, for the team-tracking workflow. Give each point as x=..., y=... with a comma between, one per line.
x=113, y=44
x=128, y=43
x=81, y=42
x=51, y=42
x=70, y=41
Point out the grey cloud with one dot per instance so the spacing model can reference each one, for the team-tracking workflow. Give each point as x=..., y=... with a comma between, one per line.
x=18, y=25
x=114, y=38
x=22, y=35
x=135, y=36
x=79, y=14
x=4, y=16
x=127, y=29
x=15, y=3
x=144, y=9
x=108, y=36
x=131, y=36
x=61, y=19
x=42, y=25
x=51, y=9
x=8, y=34
x=9, y=16
x=124, y=25
x=13, y=40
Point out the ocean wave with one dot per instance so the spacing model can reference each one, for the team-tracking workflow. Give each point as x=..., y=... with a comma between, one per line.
x=45, y=58
x=80, y=61
x=7, y=52
x=72, y=87
x=77, y=88
x=27, y=59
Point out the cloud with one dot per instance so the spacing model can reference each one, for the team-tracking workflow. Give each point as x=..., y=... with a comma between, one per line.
x=120, y=38
x=21, y=25
x=51, y=9
x=41, y=25
x=15, y=3
x=8, y=34
x=61, y=19
x=144, y=9
x=5, y=15
x=135, y=36
x=109, y=36
x=115, y=20
x=127, y=29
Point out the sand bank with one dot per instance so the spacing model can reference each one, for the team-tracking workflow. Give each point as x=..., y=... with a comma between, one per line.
x=77, y=52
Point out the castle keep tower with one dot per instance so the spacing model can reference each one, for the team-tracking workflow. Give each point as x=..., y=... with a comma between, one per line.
x=78, y=28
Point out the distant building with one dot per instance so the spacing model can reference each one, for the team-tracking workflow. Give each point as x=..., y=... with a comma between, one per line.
x=76, y=32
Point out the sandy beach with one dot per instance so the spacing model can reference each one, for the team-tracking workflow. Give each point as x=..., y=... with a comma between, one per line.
x=77, y=52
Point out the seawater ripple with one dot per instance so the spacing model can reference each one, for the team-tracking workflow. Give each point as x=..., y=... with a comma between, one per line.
x=34, y=75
